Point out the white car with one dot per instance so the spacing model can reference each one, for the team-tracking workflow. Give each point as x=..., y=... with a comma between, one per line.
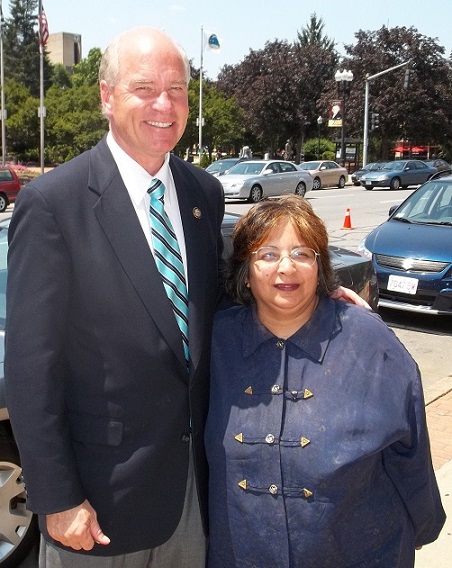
x=255, y=179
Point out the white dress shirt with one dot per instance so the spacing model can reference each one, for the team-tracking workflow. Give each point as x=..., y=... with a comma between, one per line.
x=137, y=181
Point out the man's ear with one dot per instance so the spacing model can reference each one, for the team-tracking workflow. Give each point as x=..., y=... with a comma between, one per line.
x=105, y=96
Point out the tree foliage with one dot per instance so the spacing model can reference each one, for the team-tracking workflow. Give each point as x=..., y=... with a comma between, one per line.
x=313, y=34
x=279, y=86
x=419, y=114
x=21, y=47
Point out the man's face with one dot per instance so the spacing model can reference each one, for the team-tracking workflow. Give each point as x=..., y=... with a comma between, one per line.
x=148, y=106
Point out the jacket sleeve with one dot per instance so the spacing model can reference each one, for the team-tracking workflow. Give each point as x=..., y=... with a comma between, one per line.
x=38, y=289
x=408, y=463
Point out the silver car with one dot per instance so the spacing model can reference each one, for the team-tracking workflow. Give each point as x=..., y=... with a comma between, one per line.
x=254, y=179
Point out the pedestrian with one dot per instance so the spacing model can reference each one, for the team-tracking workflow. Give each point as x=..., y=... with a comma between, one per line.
x=316, y=435
x=288, y=150
x=107, y=413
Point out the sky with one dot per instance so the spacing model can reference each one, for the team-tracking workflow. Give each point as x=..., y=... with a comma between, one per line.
x=242, y=25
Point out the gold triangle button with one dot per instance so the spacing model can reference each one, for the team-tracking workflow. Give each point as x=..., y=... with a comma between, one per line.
x=307, y=393
x=306, y=492
x=304, y=441
x=242, y=484
x=249, y=390
x=239, y=437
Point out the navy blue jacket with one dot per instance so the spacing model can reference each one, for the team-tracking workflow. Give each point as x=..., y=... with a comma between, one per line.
x=98, y=391
x=317, y=445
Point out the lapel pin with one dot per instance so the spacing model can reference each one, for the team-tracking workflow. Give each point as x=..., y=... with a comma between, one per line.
x=196, y=213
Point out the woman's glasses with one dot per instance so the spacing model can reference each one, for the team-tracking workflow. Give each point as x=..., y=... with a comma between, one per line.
x=272, y=256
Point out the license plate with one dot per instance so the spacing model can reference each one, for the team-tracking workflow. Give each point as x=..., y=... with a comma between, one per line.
x=402, y=284
x=368, y=183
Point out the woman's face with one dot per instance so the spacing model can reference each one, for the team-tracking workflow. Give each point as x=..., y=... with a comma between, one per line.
x=286, y=288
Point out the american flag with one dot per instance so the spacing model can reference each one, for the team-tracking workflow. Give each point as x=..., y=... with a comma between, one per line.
x=43, y=28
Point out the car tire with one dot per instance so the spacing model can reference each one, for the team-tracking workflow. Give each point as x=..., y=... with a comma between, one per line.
x=19, y=531
x=300, y=189
x=394, y=183
x=341, y=183
x=3, y=202
x=316, y=184
x=255, y=194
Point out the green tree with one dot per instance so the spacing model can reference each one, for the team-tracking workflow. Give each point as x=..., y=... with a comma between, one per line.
x=61, y=76
x=22, y=124
x=74, y=121
x=21, y=47
x=223, y=126
x=313, y=34
x=87, y=71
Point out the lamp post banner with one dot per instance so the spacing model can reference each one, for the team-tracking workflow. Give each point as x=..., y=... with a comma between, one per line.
x=335, y=115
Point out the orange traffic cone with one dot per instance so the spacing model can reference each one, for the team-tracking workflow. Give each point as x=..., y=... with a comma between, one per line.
x=347, y=220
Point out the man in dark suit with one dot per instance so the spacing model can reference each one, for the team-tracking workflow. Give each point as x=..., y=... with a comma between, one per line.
x=107, y=414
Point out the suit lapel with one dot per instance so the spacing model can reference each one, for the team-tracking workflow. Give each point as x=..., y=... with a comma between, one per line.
x=115, y=212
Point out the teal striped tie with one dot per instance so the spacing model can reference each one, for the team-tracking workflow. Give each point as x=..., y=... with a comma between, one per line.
x=168, y=259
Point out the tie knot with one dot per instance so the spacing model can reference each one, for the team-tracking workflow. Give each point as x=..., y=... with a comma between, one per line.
x=157, y=189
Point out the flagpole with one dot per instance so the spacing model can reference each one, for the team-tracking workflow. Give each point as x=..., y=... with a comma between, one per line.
x=41, y=89
x=2, y=81
x=200, y=97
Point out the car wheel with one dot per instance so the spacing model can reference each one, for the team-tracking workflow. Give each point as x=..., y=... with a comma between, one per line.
x=341, y=183
x=3, y=203
x=19, y=527
x=395, y=183
x=255, y=194
x=316, y=184
x=300, y=189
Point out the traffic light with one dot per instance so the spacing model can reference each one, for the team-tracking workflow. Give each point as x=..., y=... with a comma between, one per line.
x=406, y=82
x=374, y=120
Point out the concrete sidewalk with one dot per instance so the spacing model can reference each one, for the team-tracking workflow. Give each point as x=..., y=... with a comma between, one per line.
x=439, y=419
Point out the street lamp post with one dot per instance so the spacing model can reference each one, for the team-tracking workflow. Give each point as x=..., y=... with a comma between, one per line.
x=319, y=124
x=343, y=80
x=370, y=78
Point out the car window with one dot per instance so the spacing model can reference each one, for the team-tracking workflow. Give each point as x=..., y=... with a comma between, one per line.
x=331, y=165
x=429, y=204
x=274, y=167
x=287, y=167
x=6, y=175
x=247, y=168
x=310, y=166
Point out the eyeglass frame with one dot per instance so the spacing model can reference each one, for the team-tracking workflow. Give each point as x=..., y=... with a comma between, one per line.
x=289, y=256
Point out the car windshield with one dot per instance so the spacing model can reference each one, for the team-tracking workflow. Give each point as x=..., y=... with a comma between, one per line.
x=220, y=166
x=310, y=166
x=247, y=168
x=431, y=204
x=3, y=253
x=394, y=166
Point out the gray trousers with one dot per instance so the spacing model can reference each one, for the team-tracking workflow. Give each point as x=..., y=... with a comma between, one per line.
x=185, y=549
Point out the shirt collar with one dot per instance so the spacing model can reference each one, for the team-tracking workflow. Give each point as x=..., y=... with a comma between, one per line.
x=313, y=337
x=136, y=179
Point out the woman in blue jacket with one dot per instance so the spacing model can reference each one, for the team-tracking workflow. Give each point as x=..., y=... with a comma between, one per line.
x=316, y=435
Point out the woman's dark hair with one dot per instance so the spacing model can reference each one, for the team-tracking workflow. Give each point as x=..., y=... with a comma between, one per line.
x=253, y=228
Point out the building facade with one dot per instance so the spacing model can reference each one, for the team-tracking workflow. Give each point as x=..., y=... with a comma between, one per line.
x=64, y=48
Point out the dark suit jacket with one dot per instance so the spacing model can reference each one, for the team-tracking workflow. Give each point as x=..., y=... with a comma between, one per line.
x=98, y=392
